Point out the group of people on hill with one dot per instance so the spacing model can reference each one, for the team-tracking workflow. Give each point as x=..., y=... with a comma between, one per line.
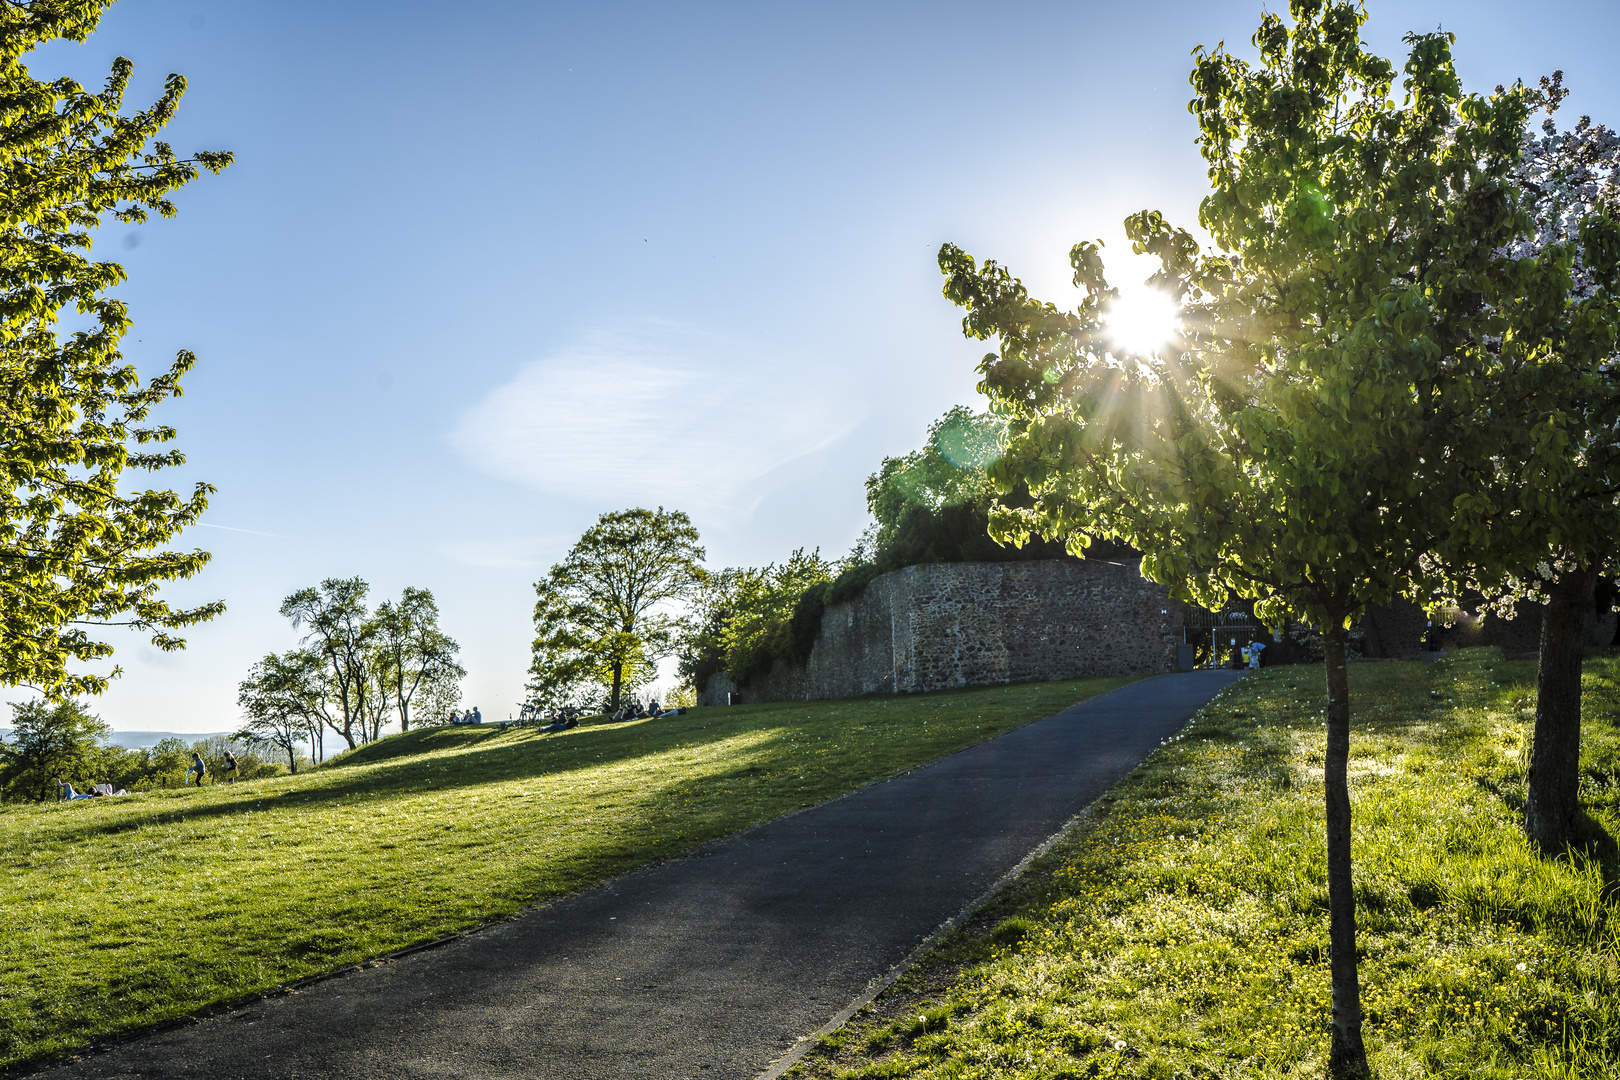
x=100, y=791
x=560, y=719
x=634, y=710
x=471, y=716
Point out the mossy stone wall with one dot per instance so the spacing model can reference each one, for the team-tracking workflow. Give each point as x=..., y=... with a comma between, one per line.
x=952, y=625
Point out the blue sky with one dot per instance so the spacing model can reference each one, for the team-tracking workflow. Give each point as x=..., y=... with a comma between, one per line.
x=484, y=271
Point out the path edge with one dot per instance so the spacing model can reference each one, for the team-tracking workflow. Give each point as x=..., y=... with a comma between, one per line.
x=877, y=986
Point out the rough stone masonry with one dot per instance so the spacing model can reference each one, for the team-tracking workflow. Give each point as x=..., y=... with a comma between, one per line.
x=950, y=625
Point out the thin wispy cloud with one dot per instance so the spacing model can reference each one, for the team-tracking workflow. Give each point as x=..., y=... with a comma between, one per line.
x=232, y=528
x=652, y=416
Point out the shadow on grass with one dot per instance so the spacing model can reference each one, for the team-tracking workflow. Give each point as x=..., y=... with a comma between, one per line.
x=1593, y=840
x=492, y=757
x=402, y=765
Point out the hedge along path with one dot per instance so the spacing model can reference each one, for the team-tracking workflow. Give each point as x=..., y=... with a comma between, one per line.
x=122, y=914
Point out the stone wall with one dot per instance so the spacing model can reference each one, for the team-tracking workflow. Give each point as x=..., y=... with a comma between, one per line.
x=950, y=625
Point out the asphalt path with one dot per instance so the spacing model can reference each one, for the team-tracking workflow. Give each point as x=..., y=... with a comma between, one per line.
x=707, y=966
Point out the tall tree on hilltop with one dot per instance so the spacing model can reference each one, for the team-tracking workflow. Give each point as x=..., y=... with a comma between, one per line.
x=76, y=551
x=411, y=652
x=596, y=618
x=341, y=634
x=1291, y=446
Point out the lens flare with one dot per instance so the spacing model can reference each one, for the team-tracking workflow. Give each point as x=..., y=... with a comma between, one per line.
x=1142, y=321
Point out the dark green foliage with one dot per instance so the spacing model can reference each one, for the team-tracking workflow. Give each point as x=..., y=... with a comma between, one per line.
x=774, y=613
x=51, y=742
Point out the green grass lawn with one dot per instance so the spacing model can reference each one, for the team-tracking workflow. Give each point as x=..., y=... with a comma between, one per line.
x=121, y=913
x=1182, y=930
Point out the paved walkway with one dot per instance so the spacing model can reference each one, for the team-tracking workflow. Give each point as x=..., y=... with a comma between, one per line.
x=709, y=966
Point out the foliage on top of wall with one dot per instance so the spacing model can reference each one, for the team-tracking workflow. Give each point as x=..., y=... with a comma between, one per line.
x=929, y=506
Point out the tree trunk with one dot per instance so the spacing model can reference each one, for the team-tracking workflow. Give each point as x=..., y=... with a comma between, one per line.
x=1347, y=1058
x=618, y=677
x=1555, y=758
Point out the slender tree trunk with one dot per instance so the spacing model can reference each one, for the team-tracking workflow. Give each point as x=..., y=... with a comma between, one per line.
x=1555, y=758
x=1347, y=1058
x=618, y=677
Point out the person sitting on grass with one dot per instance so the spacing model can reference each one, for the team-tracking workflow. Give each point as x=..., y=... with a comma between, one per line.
x=197, y=767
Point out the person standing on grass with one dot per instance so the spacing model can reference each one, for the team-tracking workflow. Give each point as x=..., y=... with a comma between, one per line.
x=231, y=771
x=197, y=767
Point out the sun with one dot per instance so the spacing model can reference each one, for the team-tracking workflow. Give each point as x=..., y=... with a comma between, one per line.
x=1142, y=321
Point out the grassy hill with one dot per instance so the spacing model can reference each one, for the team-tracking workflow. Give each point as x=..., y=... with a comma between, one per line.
x=117, y=914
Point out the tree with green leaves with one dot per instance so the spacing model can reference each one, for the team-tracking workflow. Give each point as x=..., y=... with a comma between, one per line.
x=1540, y=521
x=341, y=633
x=762, y=603
x=167, y=762
x=602, y=615
x=283, y=702
x=1291, y=446
x=51, y=741
x=411, y=652
x=78, y=548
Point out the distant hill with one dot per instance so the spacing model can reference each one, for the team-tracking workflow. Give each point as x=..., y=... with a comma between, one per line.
x=140, y=740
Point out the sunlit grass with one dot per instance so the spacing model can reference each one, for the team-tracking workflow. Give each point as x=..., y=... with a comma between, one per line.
x=120, y=913
x=1184, y=932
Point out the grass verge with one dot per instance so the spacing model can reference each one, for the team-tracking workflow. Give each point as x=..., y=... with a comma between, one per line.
x=119, y=914
x=1181, y=931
